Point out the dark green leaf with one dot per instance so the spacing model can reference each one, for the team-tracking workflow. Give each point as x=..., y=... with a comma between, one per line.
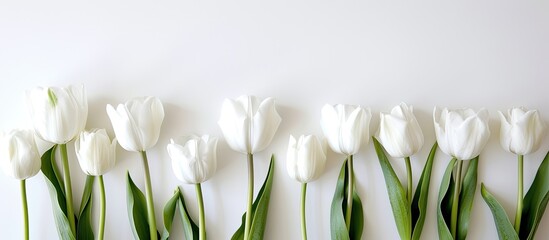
x=443, y=229
x=137, y=210
x=190, y=230
x=506, y=231
x=539, y=215
x=169, y=212
x=84, y=228
x=57, y=195
x=397, y=195
x=531, y=214
x=466, y=198
x=419, y=203
x=337, y=216
x=357, y=217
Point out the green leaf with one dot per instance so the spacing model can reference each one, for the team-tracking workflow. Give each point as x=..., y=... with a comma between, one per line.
x=337, y=216
x=260, y=209
x=506, y=231
x=466, y=198
x=397, y=195
x=84, y=228
x=57, y=195
x=357, y=217
x=533, y=201
x=442, y=209
x=137, y=210
x=419, y=202
x=190, y=230
x=169, y=212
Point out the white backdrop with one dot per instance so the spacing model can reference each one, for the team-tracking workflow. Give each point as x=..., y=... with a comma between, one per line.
x=193, y=54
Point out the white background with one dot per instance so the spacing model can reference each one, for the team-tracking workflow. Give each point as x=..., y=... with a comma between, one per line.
x=193, y=54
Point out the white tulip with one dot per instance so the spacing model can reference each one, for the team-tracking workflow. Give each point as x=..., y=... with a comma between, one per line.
x=461, y=133
x=194, y=159
x=19, y=155
x=399, y=132
x=305, y=159
x=249, y=124
x=95, y=151
x=521, y=130
x=346, y=127
x=58, y=114
x=137, y=122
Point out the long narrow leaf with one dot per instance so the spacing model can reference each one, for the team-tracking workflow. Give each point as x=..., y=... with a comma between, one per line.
x=84, y=228
x=338, y=228
x=466, y=198
x=419, y=203
x=168, y=213
x=506, y=231
x=539, y=215
x=443, y=229
x=533, y=199
x=357, y=217
x=190, y=230
x=397, y=195
x=137, y=210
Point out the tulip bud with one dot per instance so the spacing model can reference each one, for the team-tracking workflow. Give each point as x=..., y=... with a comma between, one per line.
x=58, y=114
x=249, y=124
x=137, y=123
x=95, y=152
x=399, y=132
x=194, y=159
x=461, y=133
x=19, y=155
x=345, y=127
x=521, y=130
x=306, y=158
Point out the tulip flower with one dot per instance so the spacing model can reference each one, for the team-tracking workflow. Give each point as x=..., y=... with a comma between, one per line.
x=248, y=125
x=19, y=158
x=462, y=134
x=521, y=133
x=194, y=161
x=305, y=162
x=97, y=155
x=137, y=125
x=346, y=127
x=58, y=116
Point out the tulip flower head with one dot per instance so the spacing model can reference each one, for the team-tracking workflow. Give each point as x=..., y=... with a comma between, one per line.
x=95, y=151
x=345, y=127
x=461, y=133
x=305, y=159
x=521, y=130
x=249, y=124
x=58, y=114
x=399, y=132
x=19, y=157
x=194, y=159
x=137, y=122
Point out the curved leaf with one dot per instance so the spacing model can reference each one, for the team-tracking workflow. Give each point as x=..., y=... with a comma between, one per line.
x=419, y=202
x=357, y=217
x=539, y=215
x=168, y=213
x=137, y=210
x=338, y=229
x=84, y=228
x=506, y=231
x=397, y=195
x=531, y=214
x=466, y=198
x=190, y=229
x=442, y=208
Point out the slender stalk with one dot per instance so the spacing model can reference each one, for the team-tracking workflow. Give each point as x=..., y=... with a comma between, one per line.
x=202, y=219
x=303, y=221
x=101, y=232
x=25, y=208
x=520, y=196
x=350, y=187
x=455, y=202
x=68, y=187
x=150, y=203
x=409, y=174
x=250, y=196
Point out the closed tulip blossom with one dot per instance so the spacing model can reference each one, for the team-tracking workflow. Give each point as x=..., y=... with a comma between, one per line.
x=19, y=158
x=248, y=125
x=96, y=154
x=137, y=127
x=305, y=162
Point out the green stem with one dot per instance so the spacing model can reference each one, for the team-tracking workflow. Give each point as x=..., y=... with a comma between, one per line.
x=202, y=220
x=409, y=174
x=25, y=208
x=520, y=197
x=68, y=187
x=455, y=202
x=250, y=196
x=150, y=203
x=350, y=184
x=303, y=221
x=101, y=233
